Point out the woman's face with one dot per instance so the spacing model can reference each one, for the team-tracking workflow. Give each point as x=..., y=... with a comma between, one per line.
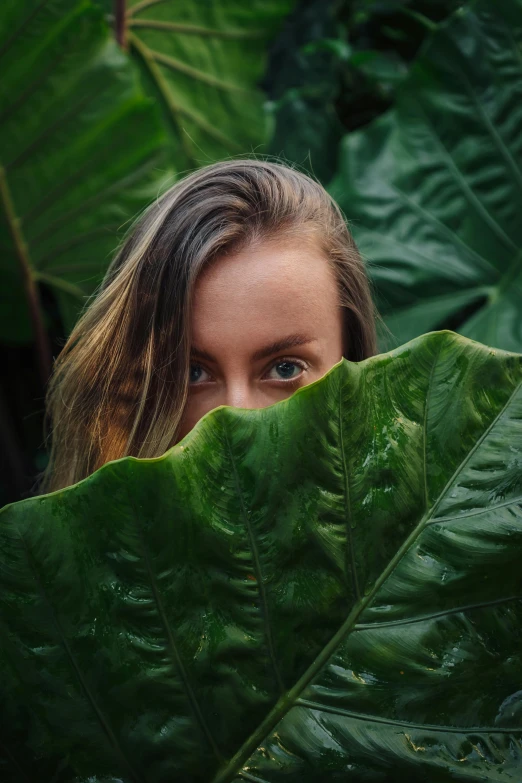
x=265, y=322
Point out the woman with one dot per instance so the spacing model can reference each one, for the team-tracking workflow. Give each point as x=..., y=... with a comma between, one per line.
x=239, y=285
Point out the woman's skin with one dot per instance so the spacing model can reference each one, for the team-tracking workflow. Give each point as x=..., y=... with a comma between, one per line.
x=246, y=303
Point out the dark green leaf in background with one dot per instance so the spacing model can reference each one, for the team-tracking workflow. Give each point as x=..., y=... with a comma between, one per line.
x=336, y=65
x=80, y=154
x=434, y=187
x=202, y=61
x=302, y=81
x=325, y=589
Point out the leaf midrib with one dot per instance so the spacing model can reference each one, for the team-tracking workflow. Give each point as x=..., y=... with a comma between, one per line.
x=289, y=699
x=492, y=131
x=425, y=432
x=347, y=501
x=468, y=192
x=257, y=566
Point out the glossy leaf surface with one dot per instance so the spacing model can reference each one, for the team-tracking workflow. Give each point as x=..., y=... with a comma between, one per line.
x=326, y=589
x=71, y=171
x=202, y=61
x=434, y=187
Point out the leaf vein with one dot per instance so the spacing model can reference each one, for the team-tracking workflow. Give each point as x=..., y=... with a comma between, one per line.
x=511, y=502
x=469, y=194
x=104, y=723
x=421, y=727
x=435, y=615
x=10, y=41
x=256, y=563
x=487, y=122
x=178, y=661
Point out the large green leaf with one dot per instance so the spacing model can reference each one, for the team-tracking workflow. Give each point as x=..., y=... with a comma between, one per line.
x=203, y=61
x=326, y=589
x=434, y=187
x=80, y=150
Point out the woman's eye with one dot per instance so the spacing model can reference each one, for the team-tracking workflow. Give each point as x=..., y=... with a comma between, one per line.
x=197, y=373
x=286, y=371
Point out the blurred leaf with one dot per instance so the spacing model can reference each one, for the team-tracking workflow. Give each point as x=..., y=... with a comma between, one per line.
x=350, y=555
x=303, y=82
x=434, y=187
x=386, y=37
x=341, y=49
x=80, y=150
x=335, y=67
x=384, y=68
x=202, y=61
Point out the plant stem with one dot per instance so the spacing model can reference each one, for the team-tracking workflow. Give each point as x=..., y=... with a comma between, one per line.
x=120, y=28
x=43, y=349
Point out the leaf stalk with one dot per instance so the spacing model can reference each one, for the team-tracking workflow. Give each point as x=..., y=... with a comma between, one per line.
x=120, y=27
x=43, y=348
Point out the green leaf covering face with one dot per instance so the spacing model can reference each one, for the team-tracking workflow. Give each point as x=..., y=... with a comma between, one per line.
x=322, y=591
x=265, y=322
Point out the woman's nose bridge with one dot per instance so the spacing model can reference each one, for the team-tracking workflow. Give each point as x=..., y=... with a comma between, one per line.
x=240, y=394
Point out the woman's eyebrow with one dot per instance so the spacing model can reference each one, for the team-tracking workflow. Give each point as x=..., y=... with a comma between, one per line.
x=282, y=345
x=279, y=345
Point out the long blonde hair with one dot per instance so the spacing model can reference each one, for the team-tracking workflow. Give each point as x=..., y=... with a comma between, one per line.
x=120, y=383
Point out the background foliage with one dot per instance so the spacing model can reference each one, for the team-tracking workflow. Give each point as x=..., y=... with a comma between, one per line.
x=410, y=112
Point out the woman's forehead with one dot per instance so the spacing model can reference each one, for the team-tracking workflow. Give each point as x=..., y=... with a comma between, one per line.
x=259, y=296
x=264, y=274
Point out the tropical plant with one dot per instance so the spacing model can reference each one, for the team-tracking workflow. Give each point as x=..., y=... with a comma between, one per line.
x=202, y=63
x=335, y=66
x=71, y=172
x=325, y=589
x=434, y=187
